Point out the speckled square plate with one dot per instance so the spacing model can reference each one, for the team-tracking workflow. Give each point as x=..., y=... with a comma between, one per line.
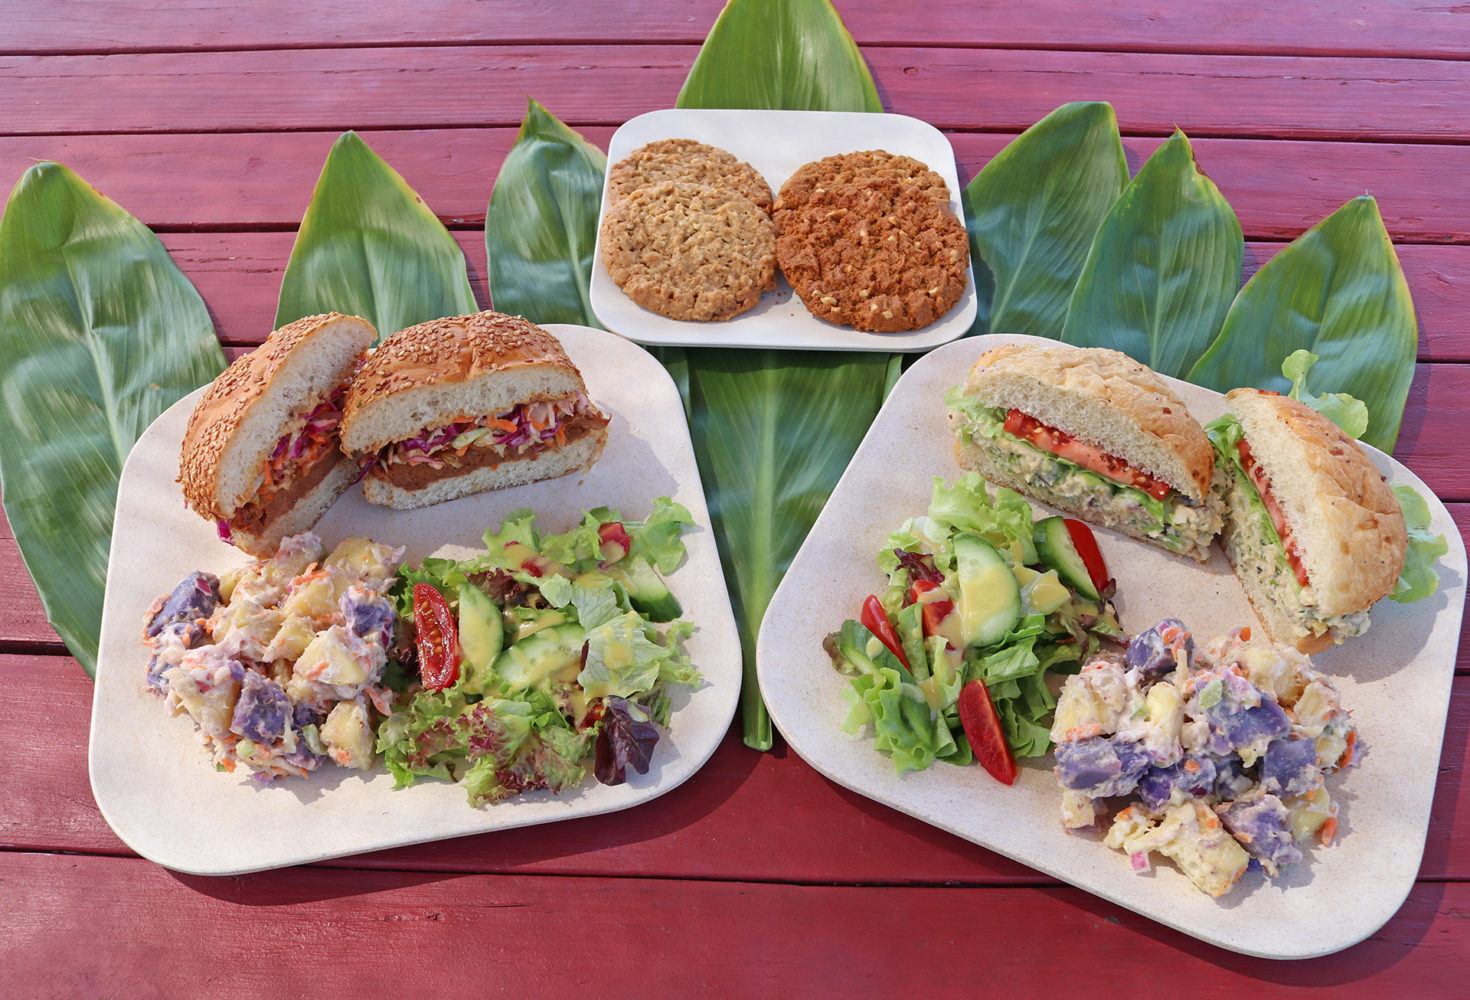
x=152, y=779
x=776, y=143
x=1395, y=679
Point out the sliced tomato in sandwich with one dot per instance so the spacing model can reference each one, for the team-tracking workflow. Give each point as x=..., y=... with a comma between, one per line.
x=1064, y=445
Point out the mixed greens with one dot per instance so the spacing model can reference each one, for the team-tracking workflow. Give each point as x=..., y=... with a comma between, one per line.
x=951, y=662
x=538, y=653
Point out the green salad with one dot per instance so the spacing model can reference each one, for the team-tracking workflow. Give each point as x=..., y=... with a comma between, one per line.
x=522, y=664
x=950, y=662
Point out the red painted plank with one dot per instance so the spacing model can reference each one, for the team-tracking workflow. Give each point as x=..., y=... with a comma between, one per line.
x=1351, y=27
x=116, y=927
x=994, y=89
x=235, y=181
x=745, y=816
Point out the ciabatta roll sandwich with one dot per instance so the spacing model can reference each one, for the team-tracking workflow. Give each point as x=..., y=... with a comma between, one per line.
x=1094, y=433
x=467, y=404
x=1313, y=530
x=260, y=456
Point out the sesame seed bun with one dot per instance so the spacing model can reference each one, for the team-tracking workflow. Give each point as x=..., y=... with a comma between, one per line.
x=237, y=422
x=445, y=370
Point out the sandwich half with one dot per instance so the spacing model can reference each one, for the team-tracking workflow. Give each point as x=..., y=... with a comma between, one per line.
x=468, y=404
x=1094, y=433
x=1313, y=530
x=260, y=455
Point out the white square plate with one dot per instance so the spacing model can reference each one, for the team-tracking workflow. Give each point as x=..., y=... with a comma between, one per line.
x=1395, y=679
x=153, y=781
x=776, y=143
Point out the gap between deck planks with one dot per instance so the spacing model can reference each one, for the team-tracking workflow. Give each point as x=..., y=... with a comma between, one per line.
x=1374, y=99
x=1313, y=27
x=745, y=816
x=91, y=926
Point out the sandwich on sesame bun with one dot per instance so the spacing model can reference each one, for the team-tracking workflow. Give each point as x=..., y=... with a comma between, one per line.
x=1094, y=433
x=260, y=455
x=1313, y=530
x=467, y=404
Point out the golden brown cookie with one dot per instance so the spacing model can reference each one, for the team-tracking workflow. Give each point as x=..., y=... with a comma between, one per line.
x=688, y=251
x=859, y=167
x=881, y=255
x=688, y=162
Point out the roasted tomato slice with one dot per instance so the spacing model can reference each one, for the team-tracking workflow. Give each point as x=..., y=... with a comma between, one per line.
x=436, y=636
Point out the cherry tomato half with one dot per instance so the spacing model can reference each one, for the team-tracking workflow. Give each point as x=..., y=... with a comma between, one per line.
x=875, y=620
x=934, y=611
x=436, y=636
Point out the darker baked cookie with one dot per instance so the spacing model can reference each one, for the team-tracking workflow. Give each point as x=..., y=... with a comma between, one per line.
x=860, y=167
x=878, y=254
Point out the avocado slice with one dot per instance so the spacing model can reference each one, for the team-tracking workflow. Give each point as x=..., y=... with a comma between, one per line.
x=989, y=597
x=537, y=658
x=481, y=637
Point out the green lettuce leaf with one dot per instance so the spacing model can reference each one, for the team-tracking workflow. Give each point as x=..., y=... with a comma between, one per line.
x=659, y=538
x=594, y=605
x=622, y=659
x=1419, y=578
x=1343, y=410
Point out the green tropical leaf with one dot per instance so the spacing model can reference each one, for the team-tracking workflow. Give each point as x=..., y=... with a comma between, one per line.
x=1032, y=213
x=541, y=226
x=780, y=54
x=369, y=246
x=1337, y=291
x=774, y=430
x=99, y=334
x=1163, y=266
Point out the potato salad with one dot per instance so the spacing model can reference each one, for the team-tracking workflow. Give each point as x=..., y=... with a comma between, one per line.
x=1223, y=751
x=280, y=663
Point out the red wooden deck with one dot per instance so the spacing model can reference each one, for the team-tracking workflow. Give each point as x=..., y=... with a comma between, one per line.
x=210, y=121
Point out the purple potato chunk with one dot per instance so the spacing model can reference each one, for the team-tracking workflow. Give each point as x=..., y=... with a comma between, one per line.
x=1192, y=777
x=1100, y=767
x=1232, y=725
x=196, y=596
x=1289, y=766
x=262, y=710
x=1152, y=652
x=1263, y=826
x=367, y=612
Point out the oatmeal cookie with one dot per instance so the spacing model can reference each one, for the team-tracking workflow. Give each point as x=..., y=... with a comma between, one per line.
x=882, y=256
x=688, y=251
x=688, y=162
x=860, y=167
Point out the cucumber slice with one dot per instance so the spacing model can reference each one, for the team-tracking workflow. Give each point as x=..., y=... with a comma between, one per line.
x=989, y=597
x=646, y=590
x=1054, y=546
x=481, y=637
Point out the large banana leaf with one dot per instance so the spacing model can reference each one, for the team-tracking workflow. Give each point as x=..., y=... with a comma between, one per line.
x=369, y=246
x=1032, y=213
x=774, y=430
x=1163, y=266
x=541, y=226
x=782, y=54
x=99, y=334
x=1337, y=291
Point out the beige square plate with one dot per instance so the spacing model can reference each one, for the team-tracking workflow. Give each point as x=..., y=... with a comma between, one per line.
x=1395, y=679
x=150, y=776
x=776, y=143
